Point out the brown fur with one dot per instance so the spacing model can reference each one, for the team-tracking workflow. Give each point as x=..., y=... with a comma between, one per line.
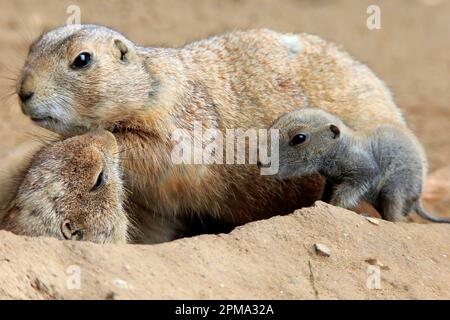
x=55, y=188
x=242, y=79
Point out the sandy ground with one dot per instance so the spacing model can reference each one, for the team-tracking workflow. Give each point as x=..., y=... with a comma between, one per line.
x=410, y=53
x=271, y=259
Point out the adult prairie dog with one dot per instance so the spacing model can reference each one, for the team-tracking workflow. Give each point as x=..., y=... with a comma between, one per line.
x=81, y=77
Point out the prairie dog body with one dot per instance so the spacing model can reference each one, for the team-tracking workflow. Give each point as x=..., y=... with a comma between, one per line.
x=385, y=167
x=81, y=77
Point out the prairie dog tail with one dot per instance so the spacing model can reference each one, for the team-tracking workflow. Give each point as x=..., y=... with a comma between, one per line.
x=424, y=214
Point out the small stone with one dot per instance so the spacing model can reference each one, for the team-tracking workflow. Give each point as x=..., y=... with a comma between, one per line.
x=120, y=283
x=222, y=285
x=376, y=262
x=322, y=250
x=373, y=220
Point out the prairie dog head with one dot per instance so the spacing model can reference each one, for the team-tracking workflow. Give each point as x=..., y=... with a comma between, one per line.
x=79, y=77
x=306, y=137
x=72, y=190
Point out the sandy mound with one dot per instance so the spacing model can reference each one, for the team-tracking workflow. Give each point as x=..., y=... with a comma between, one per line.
x=275, y=258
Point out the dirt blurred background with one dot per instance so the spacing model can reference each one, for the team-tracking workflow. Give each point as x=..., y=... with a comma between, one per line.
x=411, y=52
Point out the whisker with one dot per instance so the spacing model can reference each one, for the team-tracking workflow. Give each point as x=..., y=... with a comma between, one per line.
x=123, y=149
x=6, y=98
x=8, y=95
x=9, y=86
x=13, y=73
x=25, y=32
x=8, y=79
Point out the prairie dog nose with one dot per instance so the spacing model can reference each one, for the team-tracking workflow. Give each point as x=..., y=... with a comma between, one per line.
x=26, y=87
x=25, y=95
x=70, y=232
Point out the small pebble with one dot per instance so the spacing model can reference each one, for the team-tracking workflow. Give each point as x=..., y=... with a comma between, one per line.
x=120, y=283
x=373, y=220
x=322, y=250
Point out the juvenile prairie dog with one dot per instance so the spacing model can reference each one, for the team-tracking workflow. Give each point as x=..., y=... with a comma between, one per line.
x=81, y=77
x=71, y=190
x=385, y=167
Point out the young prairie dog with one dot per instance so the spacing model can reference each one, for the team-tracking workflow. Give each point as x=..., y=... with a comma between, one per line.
x=81, y=77
x=385, y=167
x=71, y=190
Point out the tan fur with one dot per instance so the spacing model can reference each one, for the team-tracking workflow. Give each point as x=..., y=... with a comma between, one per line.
x=55, y=187
x=242, y=79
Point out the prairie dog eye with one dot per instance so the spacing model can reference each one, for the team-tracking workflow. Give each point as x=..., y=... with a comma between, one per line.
x=297, y=139
x=100, y=182
x=82, y=61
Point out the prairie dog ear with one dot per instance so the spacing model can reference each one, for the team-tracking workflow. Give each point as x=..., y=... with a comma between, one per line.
x=335, y=130
x=122, y=51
